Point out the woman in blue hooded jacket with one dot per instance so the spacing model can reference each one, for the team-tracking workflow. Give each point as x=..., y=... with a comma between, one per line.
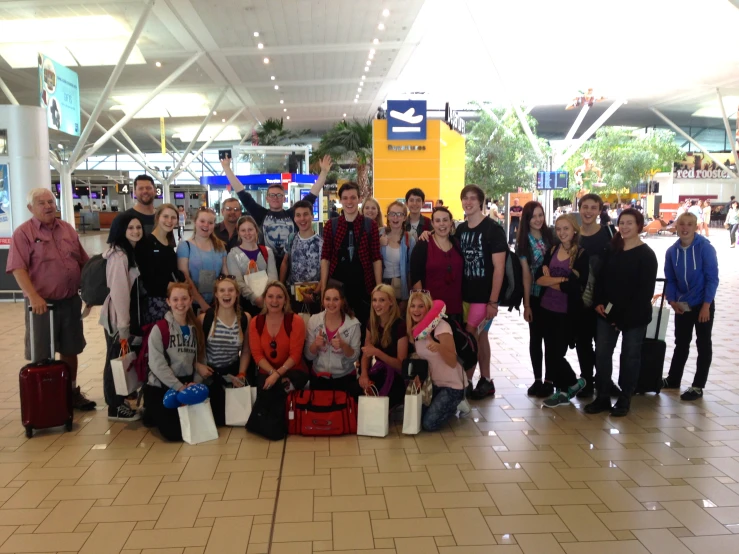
x=691, y=274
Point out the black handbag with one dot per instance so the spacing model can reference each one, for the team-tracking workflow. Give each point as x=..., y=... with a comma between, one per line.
x=413, y=367
x=268, y=414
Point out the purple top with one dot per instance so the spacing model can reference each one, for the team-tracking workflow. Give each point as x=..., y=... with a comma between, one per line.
x=556, y=300
x=251, y=254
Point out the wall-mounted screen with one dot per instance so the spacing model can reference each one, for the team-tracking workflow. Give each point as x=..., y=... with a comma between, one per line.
x=179, y=195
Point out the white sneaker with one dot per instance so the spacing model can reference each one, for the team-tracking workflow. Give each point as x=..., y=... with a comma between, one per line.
x=464, y=408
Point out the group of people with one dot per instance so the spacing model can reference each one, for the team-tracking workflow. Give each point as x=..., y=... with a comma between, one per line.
x=701, y=209
x=594, y=282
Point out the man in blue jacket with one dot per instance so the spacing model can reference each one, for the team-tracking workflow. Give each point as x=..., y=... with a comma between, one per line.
x=691, y=273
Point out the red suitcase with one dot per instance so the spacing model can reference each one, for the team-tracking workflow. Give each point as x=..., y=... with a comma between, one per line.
x=45, y=389
x=321, y=413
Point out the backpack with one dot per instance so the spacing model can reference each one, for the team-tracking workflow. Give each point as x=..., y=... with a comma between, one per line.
x=511, y=292
x=141, y=363
x=94, y=281
x=210, y=317
x=262, y=321
x=464, y=343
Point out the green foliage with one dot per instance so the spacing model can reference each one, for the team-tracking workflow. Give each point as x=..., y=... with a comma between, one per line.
x=273, y=133
x=349, y=143
x=500, y=157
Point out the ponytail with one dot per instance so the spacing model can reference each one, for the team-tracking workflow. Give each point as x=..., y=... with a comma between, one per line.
x=617, y=242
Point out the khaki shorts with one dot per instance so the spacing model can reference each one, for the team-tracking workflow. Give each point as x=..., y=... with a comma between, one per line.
x=69, y=337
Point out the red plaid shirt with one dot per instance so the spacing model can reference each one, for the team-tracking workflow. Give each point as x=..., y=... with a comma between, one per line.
x=369, y=247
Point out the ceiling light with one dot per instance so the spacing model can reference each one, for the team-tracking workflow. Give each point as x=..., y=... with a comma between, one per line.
x=101, y=52
x=164, y=105
x=359, y=89
x=273, y=77
x=364, y=77
x=230, y=133
x=371, y=56
x=282, y=101
x=355, y=100
x=372, y=51
x=288, y=117
x=381, y=26
x=256, y=34
x=260, y=45
x=277, y=87
x=368, y=62
x=284, y=109
x=361, y=84
x=215, y=112
x=385, y=12
x=266, y=60
x=158, y=64
x=60, y=146
x=376, y=41
x=344, y=115
x=223, y=120
x=117, y=149
x=366, y=68
x=40, y=29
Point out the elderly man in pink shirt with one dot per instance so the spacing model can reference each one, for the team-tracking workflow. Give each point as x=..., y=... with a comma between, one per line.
x=46, y=259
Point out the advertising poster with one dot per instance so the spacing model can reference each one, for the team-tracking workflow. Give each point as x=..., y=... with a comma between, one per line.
x=6, y=229
x=59, y=95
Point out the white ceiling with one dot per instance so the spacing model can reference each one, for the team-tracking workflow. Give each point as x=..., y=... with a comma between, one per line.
x=668, y=53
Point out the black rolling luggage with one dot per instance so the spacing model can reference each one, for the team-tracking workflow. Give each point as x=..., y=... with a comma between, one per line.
x=653, y=352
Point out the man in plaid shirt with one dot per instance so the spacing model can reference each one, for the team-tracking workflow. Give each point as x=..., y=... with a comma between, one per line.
x=351, y=253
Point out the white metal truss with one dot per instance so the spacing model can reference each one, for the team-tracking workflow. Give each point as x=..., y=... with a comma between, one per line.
x=562, y=158
x=6, y=91
x=729, y=135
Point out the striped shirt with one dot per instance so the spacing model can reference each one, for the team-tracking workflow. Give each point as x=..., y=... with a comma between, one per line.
x=223, y=346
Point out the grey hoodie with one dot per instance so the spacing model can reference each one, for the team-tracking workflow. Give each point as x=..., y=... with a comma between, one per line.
x=328, y=360
x=180, y=359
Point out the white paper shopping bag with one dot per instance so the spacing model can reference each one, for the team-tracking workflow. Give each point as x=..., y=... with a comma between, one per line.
x=652, y=331
x=238, y=406
x=257, y=282
x=197, y=423
x=125, y=381
x=374, y=416
x=412, y=410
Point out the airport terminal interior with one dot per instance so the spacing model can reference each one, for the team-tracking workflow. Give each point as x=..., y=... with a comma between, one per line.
x=532, y=100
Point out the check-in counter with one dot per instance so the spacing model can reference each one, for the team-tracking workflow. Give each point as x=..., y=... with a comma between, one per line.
x=105, y=219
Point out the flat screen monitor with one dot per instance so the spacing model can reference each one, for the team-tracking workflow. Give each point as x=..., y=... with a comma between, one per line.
x=552, y=180
x=179, y=195
x=94, y=195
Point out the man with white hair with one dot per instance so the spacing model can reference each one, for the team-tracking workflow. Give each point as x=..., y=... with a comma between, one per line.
x=46, y=259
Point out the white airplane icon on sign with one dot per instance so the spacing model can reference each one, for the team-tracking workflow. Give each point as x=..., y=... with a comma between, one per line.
x=407, y=117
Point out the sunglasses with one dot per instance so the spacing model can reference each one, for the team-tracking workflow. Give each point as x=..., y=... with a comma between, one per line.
x=273, y=346
x=395, y=214
x=221, y=277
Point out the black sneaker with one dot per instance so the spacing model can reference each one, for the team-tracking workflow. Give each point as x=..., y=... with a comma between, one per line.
x=484, y=388
x=534, y=389
x=123, y=413
x=693, y=393
x=81, y=402
x=587, y=391
x=547, y=390
x=600, y=404
x=667, y=384
x=622, y=406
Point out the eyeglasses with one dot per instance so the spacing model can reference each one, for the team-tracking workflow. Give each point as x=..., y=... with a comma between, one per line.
x=221, y=277
x=423, y=291
x=232, y=210
x=273, y=346
x=276, y=195
x=395, y=214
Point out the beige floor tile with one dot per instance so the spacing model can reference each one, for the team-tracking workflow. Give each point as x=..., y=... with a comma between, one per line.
x=403, y=502
x=574, y=456
x=315, y=531
x=54, y=473
x=688, y=471
x=447, y=478
x=583, y=523
x=658, y=494
x=510, y=499
x=483, y=457
x=330, y=462
x=535, y=456
x=151, y=469
x=456, y=500
x=9, y=471
x=347, y=445
x=230, y=535
x=108, y=538
x=84, y=492
x=180, y=511
x=350, y=503
x=237, y=508
x=30, y=495
x=243, y=486
x=52, y=542
x=694, y=518
x=500, y=549
x=68, y=456
x=439, y=458
x=561, y=497
x=613, y=547
x=305, y=482
x=411, y=527
x=196, y=487
x=200, y=468
x=619, y=521
x=352, y=531
x=101, y=472
x=138, y=490
x=538, y=544
x=23, y=516
x=501, y=525
x=292, y=548
x=168, y=538
x=716, y=492
x=615, y=497
x=701, y=545
x=391, y=461
x=496, y=476
x=325, y=546
x=593, y=474
x=469, y=527
x=416, y=478
x=418, y=545
x=294, y=507
x=347, y=481
x=65, y=516
x=298, y=463
x=726, y=516
x=642, y=474
x=162, y=453
x=660, y=541
x=545, y=476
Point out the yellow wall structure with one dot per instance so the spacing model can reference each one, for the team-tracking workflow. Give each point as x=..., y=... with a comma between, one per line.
x=438, y=169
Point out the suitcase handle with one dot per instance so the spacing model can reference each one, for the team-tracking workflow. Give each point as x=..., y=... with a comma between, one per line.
x=51, y=332
x=661, y=304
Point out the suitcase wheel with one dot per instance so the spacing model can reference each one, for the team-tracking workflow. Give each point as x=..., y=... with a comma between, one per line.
x=29, y=431
x=68, y=425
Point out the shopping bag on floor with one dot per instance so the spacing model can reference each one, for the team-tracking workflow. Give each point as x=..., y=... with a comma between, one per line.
x=197, y=423
x=125, y=381
x=374, y=415
x=238, y=406
x=662, y=319
x=412, y=410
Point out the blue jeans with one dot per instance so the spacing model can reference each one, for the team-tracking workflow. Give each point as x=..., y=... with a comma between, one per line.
x=443, y=406
x=605, y=343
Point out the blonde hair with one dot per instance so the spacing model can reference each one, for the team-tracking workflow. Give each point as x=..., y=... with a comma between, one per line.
x=378, y=219
x=190, y=319
x=217, y=305
x=286, y=309
x=405, y=212
x=374, y=322
x=574, y=243
x=687, y=215
x=427, y=301
x=217, y=243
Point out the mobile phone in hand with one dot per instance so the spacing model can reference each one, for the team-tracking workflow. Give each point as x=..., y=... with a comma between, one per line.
x=224, y=154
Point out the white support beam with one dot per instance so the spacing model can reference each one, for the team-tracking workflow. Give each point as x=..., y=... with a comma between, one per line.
x=574, y=128
x=729, y=135
x=174, y=153
x=495, y=118
x=54, y=160
x=560, y=160
x=112, y=80
x=694, y=142
x=6, y=92
x=130, y=115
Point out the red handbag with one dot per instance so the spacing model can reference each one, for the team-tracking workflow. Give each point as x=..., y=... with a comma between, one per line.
x=321, y=413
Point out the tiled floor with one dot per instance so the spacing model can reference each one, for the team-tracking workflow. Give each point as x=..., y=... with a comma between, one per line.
x=511, y=479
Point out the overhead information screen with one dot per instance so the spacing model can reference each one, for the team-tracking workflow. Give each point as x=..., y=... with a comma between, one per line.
x=551, y=180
